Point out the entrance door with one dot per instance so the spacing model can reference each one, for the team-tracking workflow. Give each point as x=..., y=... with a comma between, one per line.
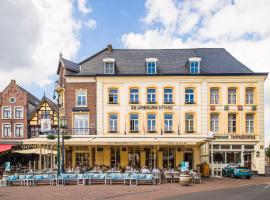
x=134, y=157
x=247, y=159
x=188, y=157
x=115, y=157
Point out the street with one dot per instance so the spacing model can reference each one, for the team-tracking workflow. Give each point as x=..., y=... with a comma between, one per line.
x=254, y=192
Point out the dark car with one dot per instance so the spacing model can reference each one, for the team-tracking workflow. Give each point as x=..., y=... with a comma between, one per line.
x=236, y=171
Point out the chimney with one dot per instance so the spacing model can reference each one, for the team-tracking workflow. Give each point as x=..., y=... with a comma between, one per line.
x=109, y=48
x=13, y=81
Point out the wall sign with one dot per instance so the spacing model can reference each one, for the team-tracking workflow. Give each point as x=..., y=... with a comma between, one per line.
x=243, y=137
x=45, y=125
x=151, y=107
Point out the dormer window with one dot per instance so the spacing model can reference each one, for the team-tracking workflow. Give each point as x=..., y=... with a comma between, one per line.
x=194, y=65
x=109, y=65
x=151, y=65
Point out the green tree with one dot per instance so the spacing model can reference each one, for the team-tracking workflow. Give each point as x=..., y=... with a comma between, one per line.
x=267, y=152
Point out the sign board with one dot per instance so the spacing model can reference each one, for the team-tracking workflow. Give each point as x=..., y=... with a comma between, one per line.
x=151, y=107
x=243, y=137
x=45, y=125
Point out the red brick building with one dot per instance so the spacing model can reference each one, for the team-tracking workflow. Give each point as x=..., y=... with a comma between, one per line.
x=16, y=104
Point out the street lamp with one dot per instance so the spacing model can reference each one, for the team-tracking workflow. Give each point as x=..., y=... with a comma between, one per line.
x=63, y=126
x=212, y=137
x=56, y=95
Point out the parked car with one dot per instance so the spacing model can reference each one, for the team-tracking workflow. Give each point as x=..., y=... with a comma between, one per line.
x=236, y=171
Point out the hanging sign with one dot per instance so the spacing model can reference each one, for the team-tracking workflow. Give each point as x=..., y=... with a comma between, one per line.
x=45, y=125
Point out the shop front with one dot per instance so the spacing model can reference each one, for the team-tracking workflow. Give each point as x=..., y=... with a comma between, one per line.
x=115, y=152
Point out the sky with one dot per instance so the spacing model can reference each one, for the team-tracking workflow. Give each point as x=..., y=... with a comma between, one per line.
x=34, y=32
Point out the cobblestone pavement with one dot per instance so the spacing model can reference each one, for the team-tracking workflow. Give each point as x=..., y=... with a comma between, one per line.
x=118, y=192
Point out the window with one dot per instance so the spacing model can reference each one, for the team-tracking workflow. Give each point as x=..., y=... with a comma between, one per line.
x=214, y=96
x=18, y=112
x=113, y=96
x=194, y=67
x=168, y=95
x=232, y=123
x=6, y=130
x=189, y=96
x=81, y=99
x=250, y=123
x=214, y=122
x=18, y=130
x=134, y=123
x=12, y=100
x=45, y=114
x=168, y=122
x=249, y=96
x=109, y=65
x=6, y=112
x=113, y=123
x=151, y=122
x=231, y=96
x=151, y=67
x=189, y=120
x=81, y=124
x=151, y=95
x=134, y=95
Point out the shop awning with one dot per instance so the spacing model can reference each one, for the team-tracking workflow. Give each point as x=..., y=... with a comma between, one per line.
x=5, y=147
x=36, y=151
x=124, y=140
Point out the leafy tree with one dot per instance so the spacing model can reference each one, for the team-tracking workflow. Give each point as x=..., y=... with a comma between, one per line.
x=267, y=152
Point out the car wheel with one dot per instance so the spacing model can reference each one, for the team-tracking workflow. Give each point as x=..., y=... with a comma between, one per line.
x=248, y=177
x=232, y=175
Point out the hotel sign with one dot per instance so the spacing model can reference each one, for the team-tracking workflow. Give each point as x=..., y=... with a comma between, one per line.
x=151, y=107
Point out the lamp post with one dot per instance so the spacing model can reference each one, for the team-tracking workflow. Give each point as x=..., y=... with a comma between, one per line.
x=56, y=95
x=63, y=126
x=212, y=137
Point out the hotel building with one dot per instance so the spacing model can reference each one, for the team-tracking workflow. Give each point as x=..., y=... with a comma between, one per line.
x=158, y=107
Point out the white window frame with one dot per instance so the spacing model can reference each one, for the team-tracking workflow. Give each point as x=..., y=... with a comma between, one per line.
x=78, y=130
x=109, y=61
x=168, y=123
x=231, y=122
x=214, y=97
x=10, y=111
x=250, y=96
x=9, y=135
x=15, y=134
x=77, y=95
x=214, y=123
x=168, y=96
x=195, y=59
x=133, y=96
x=232, y=97
x=152, y=95
x=250, y=124
x=151, y=60
x=189, y=123
x=110, y=93
x=113, y=123
x=153, y=123
x=134, y=123
x=188, y=95
x=15, y=112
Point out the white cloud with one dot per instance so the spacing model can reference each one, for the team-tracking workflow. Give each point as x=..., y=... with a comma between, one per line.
x=91, y=24
x=239, y=26
x=82, y=7
x=32, y=35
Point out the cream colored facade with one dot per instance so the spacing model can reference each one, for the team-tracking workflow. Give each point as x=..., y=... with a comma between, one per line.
x=104, y=146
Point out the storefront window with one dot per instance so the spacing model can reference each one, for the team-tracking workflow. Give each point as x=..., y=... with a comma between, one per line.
x=168, y=158
x=115, y=157
x=149, y=158
x=134, y=157
x=233, y=157
x=82, y=159
x=219, y=157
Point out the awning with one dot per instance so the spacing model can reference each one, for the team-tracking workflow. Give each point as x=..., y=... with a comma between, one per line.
x=5, y=147
x=124, y=140
x=36, y=151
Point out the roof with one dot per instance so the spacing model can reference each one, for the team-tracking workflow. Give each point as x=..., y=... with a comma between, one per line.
x=44, y=99
x=170, y=62
x=31, y=98
x=69, y=65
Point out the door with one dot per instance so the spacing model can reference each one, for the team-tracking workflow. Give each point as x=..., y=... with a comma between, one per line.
x=247, y=159
x=188, y=157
